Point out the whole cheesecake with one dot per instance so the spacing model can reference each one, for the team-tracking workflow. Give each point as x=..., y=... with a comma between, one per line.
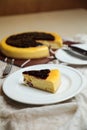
x=47, y=80
x=30, y=44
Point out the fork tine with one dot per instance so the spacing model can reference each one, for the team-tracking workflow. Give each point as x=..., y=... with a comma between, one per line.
x=12, y=62
x=6, y=59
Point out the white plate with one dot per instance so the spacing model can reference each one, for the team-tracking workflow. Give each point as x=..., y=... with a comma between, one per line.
x=72, y=83
x=72, y=58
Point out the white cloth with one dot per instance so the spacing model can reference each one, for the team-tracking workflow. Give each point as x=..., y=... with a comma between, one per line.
x=68, y=115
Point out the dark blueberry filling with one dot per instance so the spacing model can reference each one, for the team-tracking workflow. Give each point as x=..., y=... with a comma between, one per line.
x=43, y=74
x=28, y=39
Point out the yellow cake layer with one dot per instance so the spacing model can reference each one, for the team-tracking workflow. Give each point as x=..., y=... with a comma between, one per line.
x=50, y=84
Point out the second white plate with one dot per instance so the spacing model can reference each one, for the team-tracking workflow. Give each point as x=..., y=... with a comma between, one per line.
x=64, y=56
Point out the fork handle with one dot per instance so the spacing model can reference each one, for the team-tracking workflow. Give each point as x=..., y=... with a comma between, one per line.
x=8, y=68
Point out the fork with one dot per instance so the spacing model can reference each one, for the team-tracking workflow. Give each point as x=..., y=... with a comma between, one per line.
x=8, y=67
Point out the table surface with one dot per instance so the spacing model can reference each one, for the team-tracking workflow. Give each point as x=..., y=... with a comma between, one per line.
x=68, y=115
x=66, y=23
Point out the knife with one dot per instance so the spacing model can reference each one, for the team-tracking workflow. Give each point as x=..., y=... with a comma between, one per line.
x=76, y=50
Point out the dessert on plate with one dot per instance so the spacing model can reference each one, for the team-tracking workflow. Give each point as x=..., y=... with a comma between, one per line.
x=44, y=79
x=30, y=44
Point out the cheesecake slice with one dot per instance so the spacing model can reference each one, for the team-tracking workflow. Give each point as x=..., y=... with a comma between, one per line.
x=45, y=79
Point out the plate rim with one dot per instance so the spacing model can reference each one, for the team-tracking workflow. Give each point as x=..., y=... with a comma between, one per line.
x=64, y=61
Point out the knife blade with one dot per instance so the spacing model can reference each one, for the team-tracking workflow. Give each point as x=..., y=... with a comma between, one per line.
x=77, y=50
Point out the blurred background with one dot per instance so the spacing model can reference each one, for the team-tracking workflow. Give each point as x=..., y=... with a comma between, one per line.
x=12, y=7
